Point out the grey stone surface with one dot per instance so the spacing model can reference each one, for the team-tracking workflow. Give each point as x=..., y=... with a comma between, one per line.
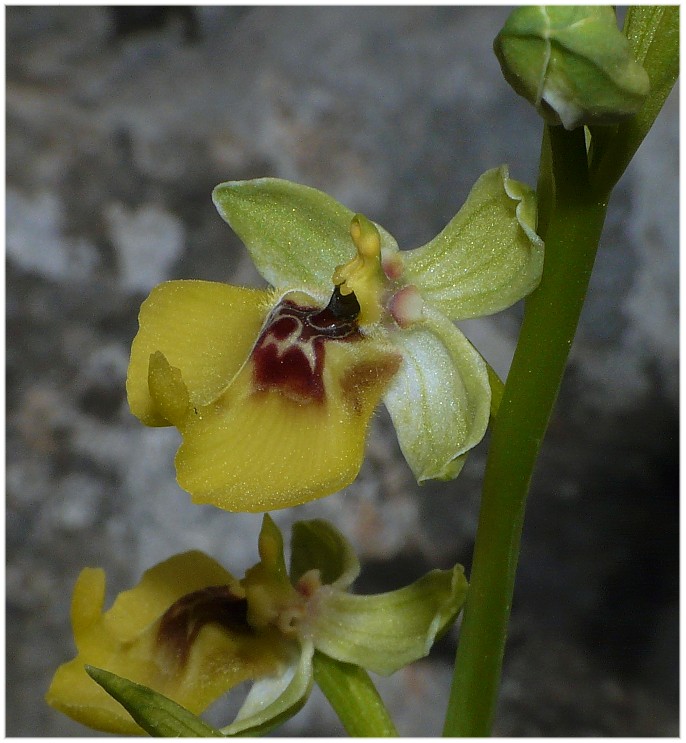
x=119, y=124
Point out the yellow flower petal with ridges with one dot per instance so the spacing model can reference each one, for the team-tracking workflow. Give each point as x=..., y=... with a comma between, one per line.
x=204, y=329
x=258, y=450
x=172, y=632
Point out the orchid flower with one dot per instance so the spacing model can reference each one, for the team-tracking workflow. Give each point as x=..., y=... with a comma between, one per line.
x=191, y=631
x=273, y=389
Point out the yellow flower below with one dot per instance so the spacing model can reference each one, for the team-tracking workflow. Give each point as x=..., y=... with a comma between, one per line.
x=189, y=632
x=181, y=631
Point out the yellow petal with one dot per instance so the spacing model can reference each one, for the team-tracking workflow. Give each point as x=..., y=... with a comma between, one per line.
x=261, y=449
x=204, y=329
x=152, y=637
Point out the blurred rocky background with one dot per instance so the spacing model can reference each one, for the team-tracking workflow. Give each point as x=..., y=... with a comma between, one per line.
x=119, y=123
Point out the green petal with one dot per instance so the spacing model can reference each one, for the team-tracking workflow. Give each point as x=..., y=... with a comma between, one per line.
x=156, y=714
x=385, y=632
x=488, y=256
x=274, y=700
x=440, y=399
x=296, y=235
x=318, y=545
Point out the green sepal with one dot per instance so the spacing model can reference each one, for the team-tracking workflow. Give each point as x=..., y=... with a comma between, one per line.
x=488, y=256
x=316, y=544
x=296, y=235
x=440, y=398
x=159, y=716
x=573, y=63
x=384, y=632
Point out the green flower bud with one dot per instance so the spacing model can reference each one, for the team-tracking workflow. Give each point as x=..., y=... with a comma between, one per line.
x=573, y=63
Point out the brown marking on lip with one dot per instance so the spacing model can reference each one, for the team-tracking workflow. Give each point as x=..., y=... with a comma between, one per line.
x=180, y=625
x=361, y=376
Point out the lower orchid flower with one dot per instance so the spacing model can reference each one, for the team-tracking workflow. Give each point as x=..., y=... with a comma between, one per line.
x=273, y=390
x=190, y=631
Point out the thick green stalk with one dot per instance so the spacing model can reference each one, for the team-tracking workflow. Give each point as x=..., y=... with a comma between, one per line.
x=550, y=320
x=354, y=698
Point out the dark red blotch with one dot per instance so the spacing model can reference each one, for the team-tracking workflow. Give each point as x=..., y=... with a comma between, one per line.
x=289, y=369
x=182, y=622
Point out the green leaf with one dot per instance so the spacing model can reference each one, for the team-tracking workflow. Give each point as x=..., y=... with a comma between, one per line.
x=296, y=235
x=653, y=33
x=440, y=398
x=316, y=544
x=489, y=255
x=385, y=632
x=572, y=63
x=156, y=714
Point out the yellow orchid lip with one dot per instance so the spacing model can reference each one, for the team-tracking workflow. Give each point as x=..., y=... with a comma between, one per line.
x=289, y=353
x=259, y=381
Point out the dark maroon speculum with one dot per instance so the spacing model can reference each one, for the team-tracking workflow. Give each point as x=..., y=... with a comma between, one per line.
x=182, y=622
x=289, y=353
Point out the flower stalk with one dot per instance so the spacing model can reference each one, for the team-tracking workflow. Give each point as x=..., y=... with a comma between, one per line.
x=573, y=191
x=550, y=321
x=353, y=697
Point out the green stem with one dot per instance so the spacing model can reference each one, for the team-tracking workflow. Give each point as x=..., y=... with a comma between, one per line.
x=550, y=320
x=353, y=697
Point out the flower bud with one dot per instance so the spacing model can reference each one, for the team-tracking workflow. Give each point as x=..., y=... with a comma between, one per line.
x=573, y=63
